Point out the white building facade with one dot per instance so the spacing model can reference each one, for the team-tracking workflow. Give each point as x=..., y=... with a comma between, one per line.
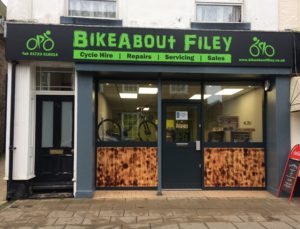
x=57, y=138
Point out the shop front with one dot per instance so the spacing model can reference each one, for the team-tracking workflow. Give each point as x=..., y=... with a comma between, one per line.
x=134, y=108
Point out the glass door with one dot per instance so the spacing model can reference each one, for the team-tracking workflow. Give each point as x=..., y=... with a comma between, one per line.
x=181, y=145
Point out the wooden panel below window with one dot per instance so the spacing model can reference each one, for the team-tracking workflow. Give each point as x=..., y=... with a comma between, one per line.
x=126, y=167
x=234, y=167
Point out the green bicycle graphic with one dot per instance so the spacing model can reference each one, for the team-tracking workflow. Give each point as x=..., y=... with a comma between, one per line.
x=41, y=41
x=261, y=48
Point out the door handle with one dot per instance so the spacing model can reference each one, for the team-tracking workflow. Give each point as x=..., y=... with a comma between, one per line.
x=182, y=144
x=198, y=145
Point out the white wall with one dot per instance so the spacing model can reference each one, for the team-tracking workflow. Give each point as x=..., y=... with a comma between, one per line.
x=38, y=11
x=262, y=14
x=289, y=14
x=23, y=125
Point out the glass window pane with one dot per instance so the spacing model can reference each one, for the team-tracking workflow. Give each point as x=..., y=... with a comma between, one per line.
x=218, y=13
x=127, y=112
x=66, y=124
x=233, y=113
x=93, y=8
x=52, y=79
x=181, y=124
x=181, y=90
x=47, y=124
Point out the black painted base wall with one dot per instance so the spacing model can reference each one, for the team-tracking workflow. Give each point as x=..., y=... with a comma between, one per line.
x=19, y=190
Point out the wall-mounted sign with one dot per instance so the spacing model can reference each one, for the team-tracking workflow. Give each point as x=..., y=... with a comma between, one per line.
x=182, y=115
x=154, y=46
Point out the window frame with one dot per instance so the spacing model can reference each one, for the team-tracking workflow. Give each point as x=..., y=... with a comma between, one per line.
x=207, y=3
x=106, y=18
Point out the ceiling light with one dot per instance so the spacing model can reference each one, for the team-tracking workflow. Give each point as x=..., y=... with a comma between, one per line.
x=198, y=97
x=146, y=108
x=229, y=91
x=128, y=95
x=148, y=90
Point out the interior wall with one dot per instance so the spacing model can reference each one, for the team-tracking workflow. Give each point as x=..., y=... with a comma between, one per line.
x=104, y=110
x=249, y=108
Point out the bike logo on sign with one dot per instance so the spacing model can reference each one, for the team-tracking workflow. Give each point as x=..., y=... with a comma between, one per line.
x=43, y=41
x=261, y=48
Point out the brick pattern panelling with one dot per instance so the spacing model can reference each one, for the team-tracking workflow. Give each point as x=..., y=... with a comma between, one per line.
x=234, y=167
x=126, y=167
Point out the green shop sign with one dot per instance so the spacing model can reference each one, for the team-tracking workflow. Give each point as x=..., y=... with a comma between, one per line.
x=147, y=46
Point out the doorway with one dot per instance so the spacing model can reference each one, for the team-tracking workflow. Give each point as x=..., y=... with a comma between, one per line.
x=54, y=141
x=182, y=160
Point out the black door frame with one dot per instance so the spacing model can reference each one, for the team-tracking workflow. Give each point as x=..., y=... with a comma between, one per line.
x=38, y=127
x=184, y=102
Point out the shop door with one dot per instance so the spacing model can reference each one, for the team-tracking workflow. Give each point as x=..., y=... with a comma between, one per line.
x=181, y=145
x=54, y=139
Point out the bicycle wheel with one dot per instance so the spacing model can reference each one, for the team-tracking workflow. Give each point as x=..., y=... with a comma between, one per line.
x=254, y=51
x=109, y=130
x=48, y=45
x=31, y=44
x=147, y=132
x=270, y=51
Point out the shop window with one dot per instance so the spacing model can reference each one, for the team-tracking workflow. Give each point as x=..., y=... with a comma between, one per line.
x=127, y=112
x=233, y=113
x=218, y=13
x=93, y=8
x=54, y=79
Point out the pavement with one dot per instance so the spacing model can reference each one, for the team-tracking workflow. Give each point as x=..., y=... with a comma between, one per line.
x=210, y=211
x=2, y=182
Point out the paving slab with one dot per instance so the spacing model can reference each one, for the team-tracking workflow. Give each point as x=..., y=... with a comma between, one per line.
x=61, y=214
x=77, y=227
x=69, y=221
x=249, y=225
x=201, y=218
x=165, y=226
x=136, y=212
x=111, y=213
x=42, y=221
x=96, y=220
x=176, y=219
x=109, y=227
x=136, y=226
x=160, y=212
x=295, y=225
x=252, y=218
x=220, y=226
x=123, y=219
x=276, y=225
x=149, y=219
x=51, y=227
x=227, y=218
x=295, y=217
x=192, y=226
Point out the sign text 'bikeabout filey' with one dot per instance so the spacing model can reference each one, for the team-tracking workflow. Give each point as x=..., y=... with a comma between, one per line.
x=148, y=42
x=153, y=46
